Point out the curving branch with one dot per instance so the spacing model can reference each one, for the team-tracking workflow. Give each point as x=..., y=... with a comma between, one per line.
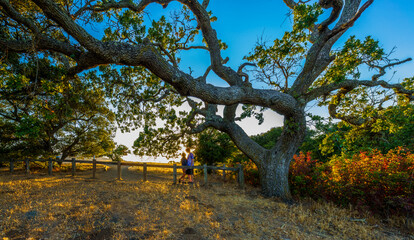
x=13, y=13
x=382, y=68
x=319, y=57
x=354, y=120
x=62, y=18
x=352, y=84
x=205, y=3
x=290, y=3
x=191, y=47
x=240, y=69
x=41, y=43
x=336, y=6
x=345, y=26
x=121, y=5
x=213, y=44
x=242, y=74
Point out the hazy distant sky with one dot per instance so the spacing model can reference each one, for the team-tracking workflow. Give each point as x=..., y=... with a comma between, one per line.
x=241, y=23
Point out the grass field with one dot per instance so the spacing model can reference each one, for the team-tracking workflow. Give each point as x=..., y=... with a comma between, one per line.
x=37, y=206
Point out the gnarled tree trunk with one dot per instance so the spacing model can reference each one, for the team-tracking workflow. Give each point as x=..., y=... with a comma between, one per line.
x=274, y=168
x=273, y=172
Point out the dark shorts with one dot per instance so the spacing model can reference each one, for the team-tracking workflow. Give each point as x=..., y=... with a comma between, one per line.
x=189, y=171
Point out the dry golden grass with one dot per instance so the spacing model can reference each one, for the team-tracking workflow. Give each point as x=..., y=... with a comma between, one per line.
x=61, y=207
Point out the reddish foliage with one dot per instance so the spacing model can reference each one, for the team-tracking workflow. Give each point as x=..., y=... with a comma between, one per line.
x=382, y=182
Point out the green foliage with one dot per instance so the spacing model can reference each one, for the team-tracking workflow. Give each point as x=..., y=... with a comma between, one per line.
x=118, y=152
x=392, y=127
x=214, y=147
x=269, y=138
x=305, y=16
x=142, y=100
x=350, y=58
x=251, y=111
x=44, y=114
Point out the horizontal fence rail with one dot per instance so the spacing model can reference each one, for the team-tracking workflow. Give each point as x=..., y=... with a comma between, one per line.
x=119, y=164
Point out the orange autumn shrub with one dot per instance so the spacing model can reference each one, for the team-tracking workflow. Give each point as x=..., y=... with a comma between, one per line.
x=306, y=176
x=382, y=182
x=251, y=173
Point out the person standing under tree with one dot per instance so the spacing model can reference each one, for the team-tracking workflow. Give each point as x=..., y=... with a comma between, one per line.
x=184, y=162
x=190, y=162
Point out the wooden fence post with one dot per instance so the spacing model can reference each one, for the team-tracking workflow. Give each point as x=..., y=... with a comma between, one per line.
x=145, y=172
x=175, y=173
x=241, y=175
x=11, y=165
x=94, y=167
x=119, y=170
x=27, y=165
x=73, y=167
x=50, y=166
x=205, y=174
x=224, y=172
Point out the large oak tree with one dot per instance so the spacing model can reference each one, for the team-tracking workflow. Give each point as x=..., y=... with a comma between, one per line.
x=43, y=116
x=299, y=68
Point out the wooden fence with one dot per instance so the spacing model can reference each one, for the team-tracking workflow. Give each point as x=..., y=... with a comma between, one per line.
x=205, y=168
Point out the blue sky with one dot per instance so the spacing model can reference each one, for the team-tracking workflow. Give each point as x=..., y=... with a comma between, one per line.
x=241, y=23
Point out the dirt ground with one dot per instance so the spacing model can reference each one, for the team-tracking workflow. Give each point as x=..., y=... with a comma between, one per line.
x=38, y=206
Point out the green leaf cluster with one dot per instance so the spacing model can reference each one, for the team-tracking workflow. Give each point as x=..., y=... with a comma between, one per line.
x=44, y=114
x=350, y=59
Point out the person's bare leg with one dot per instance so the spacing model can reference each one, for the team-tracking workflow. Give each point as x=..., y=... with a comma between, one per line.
x=190, y=176
x=182, y=177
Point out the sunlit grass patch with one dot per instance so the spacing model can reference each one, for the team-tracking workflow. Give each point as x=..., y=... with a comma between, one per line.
x=62, y=207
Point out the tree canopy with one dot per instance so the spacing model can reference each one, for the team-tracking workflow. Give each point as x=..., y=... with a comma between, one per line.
x=42, y=116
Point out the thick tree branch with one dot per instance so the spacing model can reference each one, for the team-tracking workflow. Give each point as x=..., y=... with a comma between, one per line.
x=172, y=59
x=119, y=5
x=290, y=3
x=318, y=57
x=213, y=45
x=345, y=26
x=15, y=15
x=351, y=84
x=40, y=44
x=61, y=17
x=336, y=6
x=229, y=112
x=145, y=54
